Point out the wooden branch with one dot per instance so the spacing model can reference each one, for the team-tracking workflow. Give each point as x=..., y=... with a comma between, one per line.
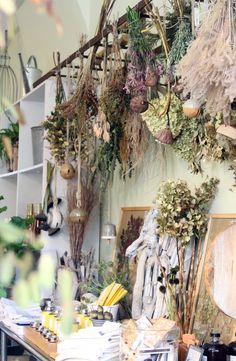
x=91, y=43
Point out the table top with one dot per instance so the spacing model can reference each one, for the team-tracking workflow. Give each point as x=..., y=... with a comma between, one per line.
x=31, y=340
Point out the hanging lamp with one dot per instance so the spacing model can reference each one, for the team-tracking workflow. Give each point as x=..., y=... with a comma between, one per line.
x=109, y=229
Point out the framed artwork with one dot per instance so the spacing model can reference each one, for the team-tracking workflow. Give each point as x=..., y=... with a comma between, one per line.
x=194, y=353
x=217, y=277
x=131, y=222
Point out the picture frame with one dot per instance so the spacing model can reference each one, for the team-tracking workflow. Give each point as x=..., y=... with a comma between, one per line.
x=209, y=315
x=194, y=353
x=126, y=213
x=130, y=224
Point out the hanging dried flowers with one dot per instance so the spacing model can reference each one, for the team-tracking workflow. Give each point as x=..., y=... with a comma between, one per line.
x=143, y=69
x=208, y=70
x=156, y=120
x=182, y=38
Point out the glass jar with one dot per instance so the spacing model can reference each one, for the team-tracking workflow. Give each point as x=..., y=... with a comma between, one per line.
x=148, y=344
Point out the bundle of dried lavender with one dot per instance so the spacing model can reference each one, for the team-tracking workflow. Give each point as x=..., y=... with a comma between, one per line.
x=208, y=70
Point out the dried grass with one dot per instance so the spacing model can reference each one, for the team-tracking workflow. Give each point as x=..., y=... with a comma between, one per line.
x=88, y=201
x=208, y=70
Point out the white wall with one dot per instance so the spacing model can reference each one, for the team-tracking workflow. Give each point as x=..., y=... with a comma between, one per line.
x=37, y=35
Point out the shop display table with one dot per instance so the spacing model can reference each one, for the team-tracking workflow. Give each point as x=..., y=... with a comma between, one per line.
x=29, y=339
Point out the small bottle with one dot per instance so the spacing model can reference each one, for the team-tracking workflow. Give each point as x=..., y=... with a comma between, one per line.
x=214, y=351
x=36, y=226
x=232, y=350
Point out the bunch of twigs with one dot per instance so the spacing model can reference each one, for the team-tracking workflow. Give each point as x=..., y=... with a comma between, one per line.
x=88, y=201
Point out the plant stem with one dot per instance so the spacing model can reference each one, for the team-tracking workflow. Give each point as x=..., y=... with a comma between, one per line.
x=173, y=296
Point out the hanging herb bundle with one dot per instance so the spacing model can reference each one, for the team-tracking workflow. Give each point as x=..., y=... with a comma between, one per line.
x=58, y=133
x=56, y=127
x=113, y=104
x=156, y=120
x=133, y=143
x=211, y=79
x=143, y=70
x=182, y=39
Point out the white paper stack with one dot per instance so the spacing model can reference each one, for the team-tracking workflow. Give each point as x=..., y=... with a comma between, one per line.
x=10, y=312
x=91, y=344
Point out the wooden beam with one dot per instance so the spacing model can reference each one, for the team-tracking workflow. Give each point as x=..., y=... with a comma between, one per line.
x=96, y=39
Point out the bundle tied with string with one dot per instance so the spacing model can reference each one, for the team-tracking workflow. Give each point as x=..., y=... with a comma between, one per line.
x=208, y=70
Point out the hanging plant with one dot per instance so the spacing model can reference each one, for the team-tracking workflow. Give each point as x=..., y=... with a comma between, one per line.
x=211, y=79
x=157, y=121
x=182, y=39
x=113, y=104
x=55, y=126
x=144, y=70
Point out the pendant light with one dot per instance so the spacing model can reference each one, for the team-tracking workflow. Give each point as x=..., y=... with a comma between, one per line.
x=109, y=229
x=78, y=214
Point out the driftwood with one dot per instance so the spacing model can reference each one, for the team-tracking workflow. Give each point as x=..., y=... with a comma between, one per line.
x=154, y=253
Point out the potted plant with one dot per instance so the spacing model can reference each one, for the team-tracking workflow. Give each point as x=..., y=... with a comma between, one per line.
x=11, y=134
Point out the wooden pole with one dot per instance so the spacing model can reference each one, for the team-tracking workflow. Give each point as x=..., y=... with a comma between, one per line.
x=94, y=41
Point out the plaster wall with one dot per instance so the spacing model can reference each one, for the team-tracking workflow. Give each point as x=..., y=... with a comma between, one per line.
x=37, y=35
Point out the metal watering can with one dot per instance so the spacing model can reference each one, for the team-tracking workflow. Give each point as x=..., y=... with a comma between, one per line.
x=30, y=72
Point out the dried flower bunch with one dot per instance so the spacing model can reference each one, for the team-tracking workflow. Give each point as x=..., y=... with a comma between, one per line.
x=183, y=217
x=181, y=213
x=144, y=70
x=208, y=70
x=55, y=125
x=182, y=39
x=156, y=121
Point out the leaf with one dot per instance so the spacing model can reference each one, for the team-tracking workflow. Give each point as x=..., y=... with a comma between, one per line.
x=65, y=280
x=34, y=288
x=7, y=268
x=46, y=269
x=9, y=233
x=21, y=293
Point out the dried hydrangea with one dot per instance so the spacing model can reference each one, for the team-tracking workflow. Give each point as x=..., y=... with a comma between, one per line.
x=155, y=121
x=186, y=145
x=181, y=213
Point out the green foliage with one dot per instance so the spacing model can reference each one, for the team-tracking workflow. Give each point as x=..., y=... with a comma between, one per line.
x=155, y=122
x=12, y=132
x=107, y=273
x=181, y=213
x=181, y=42
x=2, y=209
x=22, y=246
x=22, y=223
x=113, y=103
x=55, y=125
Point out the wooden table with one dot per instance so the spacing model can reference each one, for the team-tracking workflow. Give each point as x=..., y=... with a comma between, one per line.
x=30, y=340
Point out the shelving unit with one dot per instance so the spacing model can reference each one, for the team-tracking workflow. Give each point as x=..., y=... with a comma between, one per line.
x=25, y=185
